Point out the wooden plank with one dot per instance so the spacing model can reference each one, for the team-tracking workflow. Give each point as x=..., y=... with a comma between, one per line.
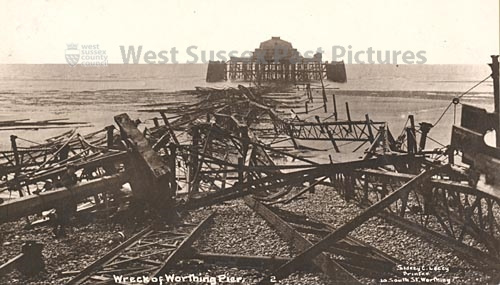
x=10, y=264
x=33, y=204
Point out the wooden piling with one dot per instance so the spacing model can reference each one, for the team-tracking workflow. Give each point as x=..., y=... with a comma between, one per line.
x=369, y=127
x=410, y=141
x=332, y=139
x=424, y=129
x=17, y=162
x=155, y=122
x=241, y=165
x=335, y=114
x=194, y=158
x=496, y=94
x=322, y=130
x=14, y=149
x=348, y=115
x=172, y=165
x=109, y=136
x=413, y=131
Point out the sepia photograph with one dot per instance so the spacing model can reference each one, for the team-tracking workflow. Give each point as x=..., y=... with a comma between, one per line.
x=260, y=142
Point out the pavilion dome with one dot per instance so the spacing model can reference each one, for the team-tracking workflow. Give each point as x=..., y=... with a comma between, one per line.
x=275, y=42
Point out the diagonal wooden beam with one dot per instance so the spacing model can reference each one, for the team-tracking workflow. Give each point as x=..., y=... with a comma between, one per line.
x=331, y=268
x=185, y=245
x=344, y=230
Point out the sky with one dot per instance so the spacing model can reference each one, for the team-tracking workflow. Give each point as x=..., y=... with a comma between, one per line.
x=448, y=31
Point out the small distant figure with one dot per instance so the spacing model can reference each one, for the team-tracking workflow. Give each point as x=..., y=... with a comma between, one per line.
x=308, y=92
x=62, y=216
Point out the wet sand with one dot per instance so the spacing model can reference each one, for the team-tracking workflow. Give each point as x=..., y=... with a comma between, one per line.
x=98, y=108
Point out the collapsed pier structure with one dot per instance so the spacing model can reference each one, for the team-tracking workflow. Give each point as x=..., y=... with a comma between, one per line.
x=233, y=143
x=276, y=61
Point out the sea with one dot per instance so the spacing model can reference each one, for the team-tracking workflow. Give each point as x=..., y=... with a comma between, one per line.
x=96, y=94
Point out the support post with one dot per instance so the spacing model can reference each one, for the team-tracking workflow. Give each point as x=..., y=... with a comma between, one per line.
x=369, y=127
x=17, y=161
x=496, y=94
x=172, y=165
x=155, y=122
x=424, y=129
x=410, y=142
x=109, y=136
x=413, y=133
x=243, y=130
x=14, y=149
x=332, y=139
x=323, y=92
x=348, y=115
x=349, y=183
x=451, y=155
x=322, y=130
x=335, y=114
x=194, y=158
x=241, y=164
x=290, y=133
x=383, y=138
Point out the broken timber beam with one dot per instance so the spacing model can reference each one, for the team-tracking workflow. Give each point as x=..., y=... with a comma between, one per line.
x=34, y=204
x=344, y=230
x=150, y=175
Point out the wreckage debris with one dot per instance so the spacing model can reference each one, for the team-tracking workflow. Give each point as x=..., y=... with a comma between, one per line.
x=26, y=124
x=242, y=143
